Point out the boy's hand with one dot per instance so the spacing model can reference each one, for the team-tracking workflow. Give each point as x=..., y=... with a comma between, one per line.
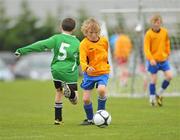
x=153, y=62
x=90, y=69
x=17, y=54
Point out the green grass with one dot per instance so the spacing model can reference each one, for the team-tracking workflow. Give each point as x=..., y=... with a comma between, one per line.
x=136, y=85
x=27, y=113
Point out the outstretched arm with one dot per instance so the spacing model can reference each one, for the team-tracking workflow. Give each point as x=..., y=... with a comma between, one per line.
x=39, y=46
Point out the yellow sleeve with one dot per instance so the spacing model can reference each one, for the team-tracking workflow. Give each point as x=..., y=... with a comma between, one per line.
x=83, y=57
x=147, y=51
x=107, y=44
x=168, y=49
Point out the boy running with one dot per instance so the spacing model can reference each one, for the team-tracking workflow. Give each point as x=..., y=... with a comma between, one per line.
x=64, y=66
x=157, y=51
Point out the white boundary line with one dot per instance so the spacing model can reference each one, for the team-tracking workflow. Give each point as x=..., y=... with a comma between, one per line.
x=139, y=95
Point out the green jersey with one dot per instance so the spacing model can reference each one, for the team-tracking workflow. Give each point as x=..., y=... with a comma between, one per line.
x=64, y=66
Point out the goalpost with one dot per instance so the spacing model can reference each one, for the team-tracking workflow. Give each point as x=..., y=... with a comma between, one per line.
x=140, y=18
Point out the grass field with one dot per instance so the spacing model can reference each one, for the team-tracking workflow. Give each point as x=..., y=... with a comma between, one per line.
x=27, y=113
x=138, y=85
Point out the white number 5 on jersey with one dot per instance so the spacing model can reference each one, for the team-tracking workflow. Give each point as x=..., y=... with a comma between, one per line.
x=62, y=51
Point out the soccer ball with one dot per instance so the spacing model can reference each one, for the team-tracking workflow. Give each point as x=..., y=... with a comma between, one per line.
x=102, y=118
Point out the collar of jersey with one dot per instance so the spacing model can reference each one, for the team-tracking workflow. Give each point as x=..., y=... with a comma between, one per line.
x=67, y=34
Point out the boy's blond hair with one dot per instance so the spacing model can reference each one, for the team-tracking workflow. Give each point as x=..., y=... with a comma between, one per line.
x=90, y=24
x=155, y=18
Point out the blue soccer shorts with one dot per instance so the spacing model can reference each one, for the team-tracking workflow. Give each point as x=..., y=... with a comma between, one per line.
x=89, y=82
x=164, y=66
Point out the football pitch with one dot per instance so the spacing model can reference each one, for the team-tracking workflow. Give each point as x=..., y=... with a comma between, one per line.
x=27, y=113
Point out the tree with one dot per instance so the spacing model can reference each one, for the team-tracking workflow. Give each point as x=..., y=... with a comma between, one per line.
x=4, y=24
x=47, y=28
x=22, y=33
x=82, y=15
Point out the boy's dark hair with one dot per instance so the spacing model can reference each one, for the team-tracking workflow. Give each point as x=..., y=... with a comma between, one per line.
x=68, y=24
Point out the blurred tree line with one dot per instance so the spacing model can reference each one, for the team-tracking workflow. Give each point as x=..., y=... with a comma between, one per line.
x=26, y=28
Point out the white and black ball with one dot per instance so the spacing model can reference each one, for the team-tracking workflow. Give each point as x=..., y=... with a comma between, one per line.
x=102, y=118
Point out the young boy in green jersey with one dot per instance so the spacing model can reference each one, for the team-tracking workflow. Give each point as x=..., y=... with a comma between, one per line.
x=64, y=65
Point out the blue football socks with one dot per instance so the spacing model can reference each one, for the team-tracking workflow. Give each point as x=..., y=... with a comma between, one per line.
x=89, y=111
x=152, y=89
x=165, y=84
x=102, y=103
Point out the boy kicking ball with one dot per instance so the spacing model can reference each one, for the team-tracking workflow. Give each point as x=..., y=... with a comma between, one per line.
x=64, y=66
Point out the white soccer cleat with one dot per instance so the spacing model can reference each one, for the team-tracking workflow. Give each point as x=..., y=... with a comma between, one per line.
x=152, y=102
x=66, y=90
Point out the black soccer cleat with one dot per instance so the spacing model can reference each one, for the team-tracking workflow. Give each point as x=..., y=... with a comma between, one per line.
x=159, y=100
x=74, y=101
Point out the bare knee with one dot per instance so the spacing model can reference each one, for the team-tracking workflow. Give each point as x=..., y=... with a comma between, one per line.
x=102, y=90
x=86, y=98
x=58, y=96
x=153, y=78
x=168, y=75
